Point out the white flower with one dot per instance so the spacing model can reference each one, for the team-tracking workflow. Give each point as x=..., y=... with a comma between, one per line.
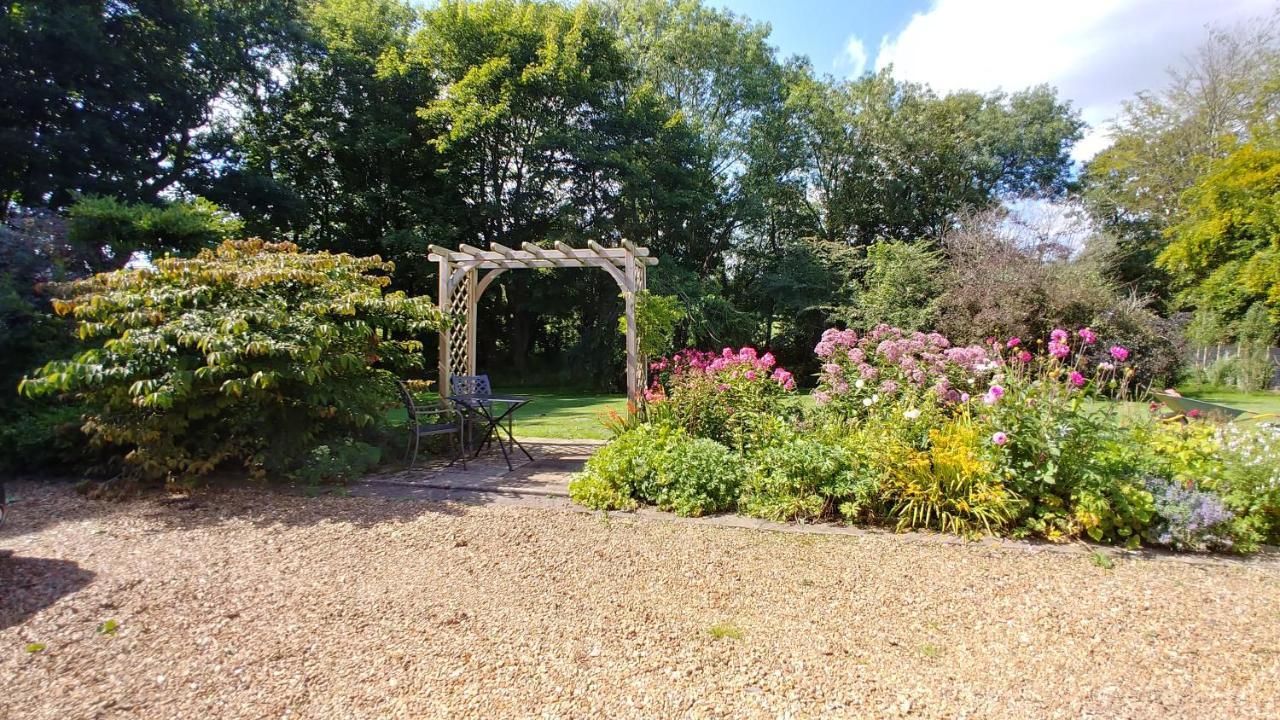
x=867, y=402
x=875, y=397
x=860, y=384
x=911, y=414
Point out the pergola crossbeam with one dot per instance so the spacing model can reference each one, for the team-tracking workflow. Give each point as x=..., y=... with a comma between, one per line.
x=460, y=289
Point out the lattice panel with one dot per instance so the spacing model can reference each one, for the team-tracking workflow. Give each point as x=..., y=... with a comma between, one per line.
x=458, y=302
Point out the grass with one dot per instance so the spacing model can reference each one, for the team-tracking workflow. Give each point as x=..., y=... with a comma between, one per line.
x=720, y=631
x=564, y=413
x=1257, y=402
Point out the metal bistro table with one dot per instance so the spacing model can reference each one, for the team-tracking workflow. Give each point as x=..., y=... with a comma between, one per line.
x=492, y=410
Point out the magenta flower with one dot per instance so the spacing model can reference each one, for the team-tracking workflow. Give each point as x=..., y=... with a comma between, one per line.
x=751, y=375
x=1077, y=379
x=1013, y=342
x=1059, y=335
x=1059, y=349
x=1000, y=438
x=784, y=378
x=767, y=360
x=1120, y=353
x=722, y=387
x=994, y=393
x=1024, y=356
x=1088, y=336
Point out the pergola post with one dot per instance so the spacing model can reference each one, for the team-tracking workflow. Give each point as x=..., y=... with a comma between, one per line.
x=460, y=288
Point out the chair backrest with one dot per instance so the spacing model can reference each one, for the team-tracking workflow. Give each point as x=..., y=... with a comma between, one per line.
x=435, y=412
x=470, y=385
x=410, y=407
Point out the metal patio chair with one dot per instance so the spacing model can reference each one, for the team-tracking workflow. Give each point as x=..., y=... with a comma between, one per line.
x=431, y=419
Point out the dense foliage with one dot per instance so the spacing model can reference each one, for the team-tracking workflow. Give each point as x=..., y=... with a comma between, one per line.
x=253, y=353
x=1011, y=437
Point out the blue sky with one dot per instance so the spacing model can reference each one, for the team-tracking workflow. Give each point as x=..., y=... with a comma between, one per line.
x=821, y=29
x=1096, y=52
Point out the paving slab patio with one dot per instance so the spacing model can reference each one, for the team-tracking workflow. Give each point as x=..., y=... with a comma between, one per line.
x=544, y=480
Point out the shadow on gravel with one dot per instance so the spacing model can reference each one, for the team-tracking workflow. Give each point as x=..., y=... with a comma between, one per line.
x=29, y=584
x=267, y=506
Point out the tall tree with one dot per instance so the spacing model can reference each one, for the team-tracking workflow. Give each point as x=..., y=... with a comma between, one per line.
x=1165, y=140
x=122, y=97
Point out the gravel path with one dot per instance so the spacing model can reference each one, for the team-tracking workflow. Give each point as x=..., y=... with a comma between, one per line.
x=251, y=604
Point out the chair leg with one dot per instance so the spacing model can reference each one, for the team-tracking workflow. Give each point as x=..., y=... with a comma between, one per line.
x=414, y=455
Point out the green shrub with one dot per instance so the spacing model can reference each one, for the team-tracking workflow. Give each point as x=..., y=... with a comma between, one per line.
x=953, y=486
x=695, y=476
x=621, y=471
x=662, y=466
x=42, y=438
x=805, y=479
x=338, y=462
x=253, y=353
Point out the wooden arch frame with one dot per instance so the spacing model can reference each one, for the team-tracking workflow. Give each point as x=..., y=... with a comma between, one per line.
x=461, y=286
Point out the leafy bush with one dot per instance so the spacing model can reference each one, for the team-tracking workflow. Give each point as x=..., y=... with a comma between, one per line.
x=253, y=353
x=663, y=466
x=806, y=479
x=695, y=476
x=42, y=438
x=338, y=462
x=953, y=486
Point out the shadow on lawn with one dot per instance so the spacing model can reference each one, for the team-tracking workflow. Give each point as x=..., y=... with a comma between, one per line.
x=31, y=584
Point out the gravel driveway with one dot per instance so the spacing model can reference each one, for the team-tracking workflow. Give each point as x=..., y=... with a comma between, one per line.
x=252, y=604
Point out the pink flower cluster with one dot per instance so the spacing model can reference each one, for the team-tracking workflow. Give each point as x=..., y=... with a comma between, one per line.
x=745, y=363
x=894, y=358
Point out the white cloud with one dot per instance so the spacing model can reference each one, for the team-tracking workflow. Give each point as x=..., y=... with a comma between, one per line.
x=854, y=57
x=1096, y=52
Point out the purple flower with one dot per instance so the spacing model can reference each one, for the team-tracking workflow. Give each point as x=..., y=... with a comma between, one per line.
x=994, y=393
x=1077, y=379
x=999, y=438
x=1120, y=353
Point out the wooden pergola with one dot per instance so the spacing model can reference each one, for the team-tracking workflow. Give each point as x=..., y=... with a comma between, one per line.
x=461, y=286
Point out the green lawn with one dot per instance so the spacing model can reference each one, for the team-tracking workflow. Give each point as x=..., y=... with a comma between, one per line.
x=1258, y=402
x=561, y=413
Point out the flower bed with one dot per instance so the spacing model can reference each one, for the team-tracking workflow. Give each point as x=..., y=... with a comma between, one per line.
x=1010, y=437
